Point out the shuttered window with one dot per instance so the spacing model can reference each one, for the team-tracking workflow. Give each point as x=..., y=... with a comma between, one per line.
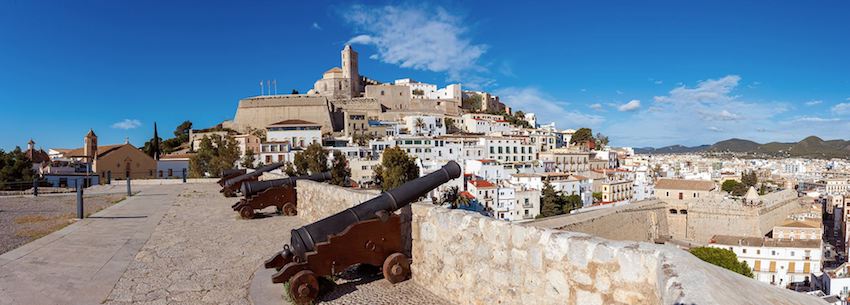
x=806, y=267
x=791, y=268
x=772, y=266
x=757, y=265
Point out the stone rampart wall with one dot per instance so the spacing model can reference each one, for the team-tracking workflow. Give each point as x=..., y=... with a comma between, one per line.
x=318, y=200
x=640, y=221
x=471, y=259
x=259, y=112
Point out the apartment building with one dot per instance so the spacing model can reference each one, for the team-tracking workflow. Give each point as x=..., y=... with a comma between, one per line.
x=567, y=160
x=298, y=133
x=507, y=149
x=776, y=261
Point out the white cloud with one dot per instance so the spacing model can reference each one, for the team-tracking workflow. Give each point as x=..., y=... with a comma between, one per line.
x=619, y=92
x=127, y=124
x=658, y=82
x=685, y=114
x=842, y=108
x=813, y=119
x=316, y=26
x=547, y=108
x=812, y=103
x=630, y=106
x=596, y=106
x=418, y=38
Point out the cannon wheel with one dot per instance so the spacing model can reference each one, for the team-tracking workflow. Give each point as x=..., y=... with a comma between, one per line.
x=304, y=287
x=396, y=268
x=246, y=212
x=289, y=209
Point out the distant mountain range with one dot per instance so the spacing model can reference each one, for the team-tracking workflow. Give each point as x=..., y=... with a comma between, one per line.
x=810, y=147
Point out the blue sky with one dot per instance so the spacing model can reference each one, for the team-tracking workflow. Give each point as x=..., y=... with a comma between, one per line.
x=645, y=74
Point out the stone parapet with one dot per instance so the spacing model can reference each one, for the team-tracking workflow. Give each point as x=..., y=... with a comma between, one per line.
x=317, y=200
x=471, y=259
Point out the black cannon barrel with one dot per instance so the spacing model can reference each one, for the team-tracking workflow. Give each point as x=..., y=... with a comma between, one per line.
x=233, y=171
x=304, y=239
x=230, y=182
x=254, y=187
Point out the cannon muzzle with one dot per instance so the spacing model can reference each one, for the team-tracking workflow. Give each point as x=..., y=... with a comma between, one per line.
x=230, y=182
x=251, y=188
x=304, y=239
x=233, y=172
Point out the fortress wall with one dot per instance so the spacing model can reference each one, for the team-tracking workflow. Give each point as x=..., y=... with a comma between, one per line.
x=706, y=220
x=317, y=200
x=775, y=214
x=259, y=112
x=640, y=221
x=471, y=259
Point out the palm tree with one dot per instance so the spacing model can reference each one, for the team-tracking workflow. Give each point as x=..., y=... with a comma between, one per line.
x=420, y=123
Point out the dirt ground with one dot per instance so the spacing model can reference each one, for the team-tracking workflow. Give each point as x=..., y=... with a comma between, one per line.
x=23, y=219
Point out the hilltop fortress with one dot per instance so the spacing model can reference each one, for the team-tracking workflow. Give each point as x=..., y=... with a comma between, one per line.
x=341, y=91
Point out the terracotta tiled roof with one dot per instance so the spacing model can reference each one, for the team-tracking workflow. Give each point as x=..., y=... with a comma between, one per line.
x=294, y=122
x=681, y=184
x=467, y=195
x=801, y=224
x=482, y=183
x=334, y=70
x=101, y=150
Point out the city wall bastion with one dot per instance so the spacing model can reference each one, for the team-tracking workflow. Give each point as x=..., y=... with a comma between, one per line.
x=468, y=258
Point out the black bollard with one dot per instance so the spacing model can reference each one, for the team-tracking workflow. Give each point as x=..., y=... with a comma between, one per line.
x=184, y=175
x=109, y=177
x=129, y=189
x=80, y=200
x=35, y=187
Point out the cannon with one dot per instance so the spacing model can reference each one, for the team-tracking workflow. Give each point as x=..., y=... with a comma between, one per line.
x=230, y=173
x=279, y=193
x=232, y=185
x=368, y=233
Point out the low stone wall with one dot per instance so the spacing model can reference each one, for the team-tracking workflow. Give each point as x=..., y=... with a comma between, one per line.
x=317, y=200
x=471, y=259
x=163, y=181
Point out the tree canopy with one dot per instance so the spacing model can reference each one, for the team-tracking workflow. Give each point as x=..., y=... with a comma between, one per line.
x=549, y=203
x=749, y=179
x=395, y=169
x=249, y=159
x=581, y=136
x=452, y=197
x=181, y=136
x=15, y=170
x=339, y=169
x=723, y=258
x=214, y=155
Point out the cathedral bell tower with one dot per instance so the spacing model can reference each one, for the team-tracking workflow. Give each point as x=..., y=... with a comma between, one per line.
x=350, y=70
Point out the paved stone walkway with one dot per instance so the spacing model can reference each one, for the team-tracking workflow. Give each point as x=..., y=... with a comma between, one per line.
x=201, y=253
x=176, y=244
x=81, y=263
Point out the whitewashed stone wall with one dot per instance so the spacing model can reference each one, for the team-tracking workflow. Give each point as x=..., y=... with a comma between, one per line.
x=470, y=259
x=318, y=200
